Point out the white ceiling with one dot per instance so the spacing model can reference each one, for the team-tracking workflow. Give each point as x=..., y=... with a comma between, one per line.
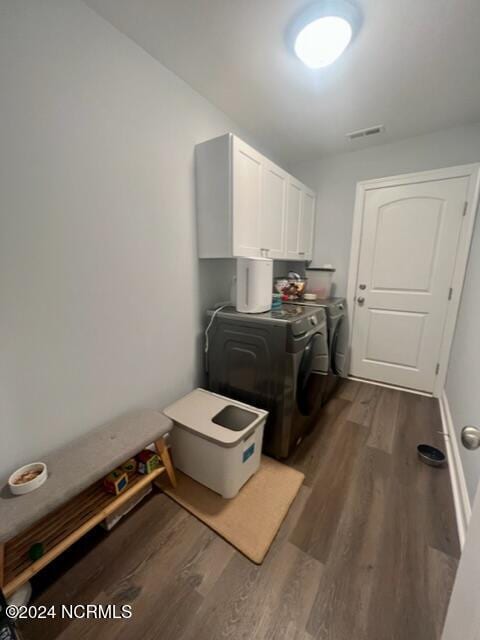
x=414, y=67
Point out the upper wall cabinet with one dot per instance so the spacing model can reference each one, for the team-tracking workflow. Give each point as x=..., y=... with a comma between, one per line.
x=248, y=206
x=273, y=213
x=307, y=223
x=246, y=177
x=294, y=212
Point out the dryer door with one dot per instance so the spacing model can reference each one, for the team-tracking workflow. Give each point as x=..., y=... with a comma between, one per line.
x=307, y=378
x=336, y=358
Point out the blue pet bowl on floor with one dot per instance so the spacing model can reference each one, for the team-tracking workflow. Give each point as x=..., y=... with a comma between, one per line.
x=431, y=455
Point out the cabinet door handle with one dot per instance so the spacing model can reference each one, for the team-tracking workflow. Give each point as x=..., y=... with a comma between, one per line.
x=301, y=253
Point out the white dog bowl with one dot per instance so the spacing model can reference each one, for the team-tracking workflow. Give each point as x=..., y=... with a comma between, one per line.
x=31, y=485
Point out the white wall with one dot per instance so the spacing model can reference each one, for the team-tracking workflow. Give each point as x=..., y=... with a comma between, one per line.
x=335, y=178
x=101, y=291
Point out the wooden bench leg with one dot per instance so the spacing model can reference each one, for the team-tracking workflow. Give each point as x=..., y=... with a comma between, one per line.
x=162, y=451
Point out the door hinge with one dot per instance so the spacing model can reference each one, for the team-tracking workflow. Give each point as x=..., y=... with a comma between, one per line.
x=450, y=293
x=437, y=368
x=465, y=207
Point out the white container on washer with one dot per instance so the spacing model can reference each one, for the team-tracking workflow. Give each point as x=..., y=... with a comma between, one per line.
x=254, y=285
x=221, y=458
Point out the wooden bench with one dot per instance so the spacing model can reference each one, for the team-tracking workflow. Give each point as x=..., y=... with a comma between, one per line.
x=72, y=501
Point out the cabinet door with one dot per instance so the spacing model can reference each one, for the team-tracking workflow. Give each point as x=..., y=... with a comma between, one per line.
x=274, y=208
x=307, y=220
x=294, y=209
x=247, y=199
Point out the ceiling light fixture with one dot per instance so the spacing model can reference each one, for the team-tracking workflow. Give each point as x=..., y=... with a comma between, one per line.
x=322, y=32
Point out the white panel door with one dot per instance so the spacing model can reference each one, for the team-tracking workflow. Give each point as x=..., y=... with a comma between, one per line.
x=294, y=210
x=407, y=257
x=247, y=199
x=274, y=210
x=307, y=220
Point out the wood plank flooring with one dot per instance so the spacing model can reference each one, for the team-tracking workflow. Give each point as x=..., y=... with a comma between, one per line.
x=368, y=550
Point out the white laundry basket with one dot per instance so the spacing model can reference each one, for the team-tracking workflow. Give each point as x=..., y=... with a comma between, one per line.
x=215, y=440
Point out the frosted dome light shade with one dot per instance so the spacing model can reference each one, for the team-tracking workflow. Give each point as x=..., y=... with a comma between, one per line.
x=322, y=41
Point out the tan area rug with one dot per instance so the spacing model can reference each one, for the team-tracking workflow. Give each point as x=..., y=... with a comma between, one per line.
x=251, y=520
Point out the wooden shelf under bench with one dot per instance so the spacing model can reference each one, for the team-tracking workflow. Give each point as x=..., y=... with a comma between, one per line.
x=60, y=529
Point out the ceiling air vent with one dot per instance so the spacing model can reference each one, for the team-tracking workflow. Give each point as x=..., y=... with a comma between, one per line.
x=363, y=133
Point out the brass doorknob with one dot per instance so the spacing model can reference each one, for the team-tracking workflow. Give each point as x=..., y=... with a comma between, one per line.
x=471, y=437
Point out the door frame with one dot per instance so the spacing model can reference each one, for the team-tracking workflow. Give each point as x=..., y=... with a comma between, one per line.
x=471, y=171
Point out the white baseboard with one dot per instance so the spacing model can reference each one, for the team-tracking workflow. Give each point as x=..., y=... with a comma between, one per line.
x=375, y=383
x=463, y=508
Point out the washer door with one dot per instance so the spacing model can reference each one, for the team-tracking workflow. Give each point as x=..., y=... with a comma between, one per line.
x=306, y=376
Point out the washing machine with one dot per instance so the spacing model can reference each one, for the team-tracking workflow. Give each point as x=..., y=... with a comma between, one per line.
x=336, y=314
x=335, y=309
x=277, y=361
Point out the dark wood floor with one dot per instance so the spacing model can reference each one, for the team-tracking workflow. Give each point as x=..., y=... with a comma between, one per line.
x=368, y=550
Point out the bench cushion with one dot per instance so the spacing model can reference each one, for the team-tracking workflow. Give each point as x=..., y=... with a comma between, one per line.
x=79, y=464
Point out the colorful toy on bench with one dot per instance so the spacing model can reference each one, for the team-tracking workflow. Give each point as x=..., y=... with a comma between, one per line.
x=130, y=467
x=116, y=481
x=147, y=461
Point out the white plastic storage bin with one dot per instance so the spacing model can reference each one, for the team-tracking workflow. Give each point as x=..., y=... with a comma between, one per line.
x=320, y=280
x=215, y=440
